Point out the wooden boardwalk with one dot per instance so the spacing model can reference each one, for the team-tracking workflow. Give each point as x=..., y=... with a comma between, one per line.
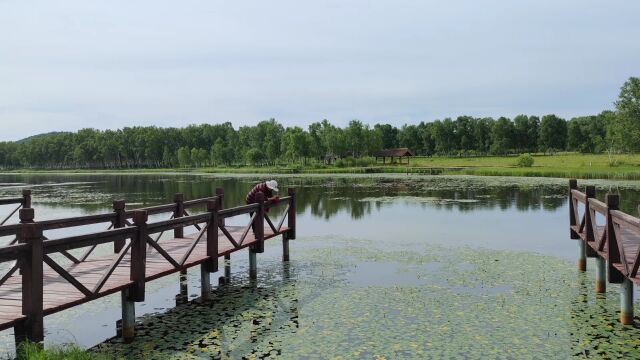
x=610, y=236
x=45, y=275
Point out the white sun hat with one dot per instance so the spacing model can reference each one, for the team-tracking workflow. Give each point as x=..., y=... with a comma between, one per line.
x=272, y=185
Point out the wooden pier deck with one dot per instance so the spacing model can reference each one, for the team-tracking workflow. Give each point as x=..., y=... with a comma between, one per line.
x=45, y=276
x=610, y=236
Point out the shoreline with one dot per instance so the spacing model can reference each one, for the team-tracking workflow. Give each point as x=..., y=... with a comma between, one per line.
x=532, y=172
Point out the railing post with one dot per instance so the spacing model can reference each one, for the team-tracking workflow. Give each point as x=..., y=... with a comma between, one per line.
x=32, y=283
x=590, y=194
x=220, y=195
x=211, y=265
x=178, y=199
x=26, y=198
x=291, y=216
x=573, y=184
x=139, y=256
x=26, y=216
x=119, y=222
x=258, y=223
x=212, y=236
x=613, y=254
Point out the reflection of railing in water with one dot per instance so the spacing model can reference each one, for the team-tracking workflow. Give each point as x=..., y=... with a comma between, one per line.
x=37, y=284
x=610, y=236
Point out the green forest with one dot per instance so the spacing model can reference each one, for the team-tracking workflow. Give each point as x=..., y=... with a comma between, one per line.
x=270, y=143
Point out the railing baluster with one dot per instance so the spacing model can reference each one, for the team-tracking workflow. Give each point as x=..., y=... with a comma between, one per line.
x=211, y=264
x=220, y=195
x=613, y=255
x=139, y=256
x=258, y=224
x=119, y=222
x=292, y=214
x=178, y=199
x=32, y=282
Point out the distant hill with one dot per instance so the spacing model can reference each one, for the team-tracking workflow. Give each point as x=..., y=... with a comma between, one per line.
x=25, y=140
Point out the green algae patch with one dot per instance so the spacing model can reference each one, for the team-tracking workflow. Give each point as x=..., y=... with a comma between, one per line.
x=347, y=300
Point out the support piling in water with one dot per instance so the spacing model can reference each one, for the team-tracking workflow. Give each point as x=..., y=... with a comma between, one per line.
x=128, y=316
x=227, y=269
x=253, y=266
x=285, y=248
x=183, y=296
x=601, y=275
x=205, y=280
x=626, y=302
x=582, y=256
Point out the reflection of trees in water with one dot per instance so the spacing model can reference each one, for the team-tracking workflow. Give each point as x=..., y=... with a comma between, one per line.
x=323, y=197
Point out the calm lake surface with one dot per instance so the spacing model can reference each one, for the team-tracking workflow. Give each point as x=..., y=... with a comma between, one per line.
x=383, y=267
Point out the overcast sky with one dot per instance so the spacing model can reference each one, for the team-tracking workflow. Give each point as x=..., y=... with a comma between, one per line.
x=66, y=65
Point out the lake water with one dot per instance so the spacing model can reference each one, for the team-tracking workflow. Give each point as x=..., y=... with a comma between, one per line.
x=383, y=267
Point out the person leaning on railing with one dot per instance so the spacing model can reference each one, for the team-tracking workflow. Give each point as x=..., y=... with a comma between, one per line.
x=269, y=189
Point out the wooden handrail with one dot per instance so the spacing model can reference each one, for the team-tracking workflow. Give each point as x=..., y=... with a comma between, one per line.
x=170, y=224
x=12, y=252
x=598, y=206
x=283, y=201
x=151, y=210
x=625, y=219
x=76, y=221
x=7, y=230
x=80, y=241
x=239, y=210
x=196, y=202
x=582, y=197
x=9, y=201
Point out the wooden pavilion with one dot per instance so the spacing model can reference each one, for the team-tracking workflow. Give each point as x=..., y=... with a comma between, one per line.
x=394, y=153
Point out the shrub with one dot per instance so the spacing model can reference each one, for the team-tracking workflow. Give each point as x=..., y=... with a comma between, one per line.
x=524, y=160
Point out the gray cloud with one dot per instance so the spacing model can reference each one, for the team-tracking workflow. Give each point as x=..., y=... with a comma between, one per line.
x=66, y=65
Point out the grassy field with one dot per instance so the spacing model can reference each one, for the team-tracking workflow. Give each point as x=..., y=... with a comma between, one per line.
x=565, y=165
x=32, y=351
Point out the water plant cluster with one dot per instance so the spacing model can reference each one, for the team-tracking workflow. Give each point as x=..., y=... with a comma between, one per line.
x=423, y=302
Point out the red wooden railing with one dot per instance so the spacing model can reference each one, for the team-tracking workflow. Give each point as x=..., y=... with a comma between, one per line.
x=132, y=235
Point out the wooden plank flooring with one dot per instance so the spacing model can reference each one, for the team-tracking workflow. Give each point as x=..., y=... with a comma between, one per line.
x=60, y=294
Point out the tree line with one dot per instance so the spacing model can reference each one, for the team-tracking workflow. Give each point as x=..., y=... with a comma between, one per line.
x=270, y=143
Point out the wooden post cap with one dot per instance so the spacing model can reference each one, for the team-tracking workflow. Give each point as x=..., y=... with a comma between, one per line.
x=613, y=201
x=573, y=184
x=140, y=217
x=219, y=191
x=27, y=215
x=26, y=192
x=118, y=204
x=291, y=191
x=591, y=191
x=178, y=197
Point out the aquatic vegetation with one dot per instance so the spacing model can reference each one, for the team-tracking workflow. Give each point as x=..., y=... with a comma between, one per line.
x=425, y=302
